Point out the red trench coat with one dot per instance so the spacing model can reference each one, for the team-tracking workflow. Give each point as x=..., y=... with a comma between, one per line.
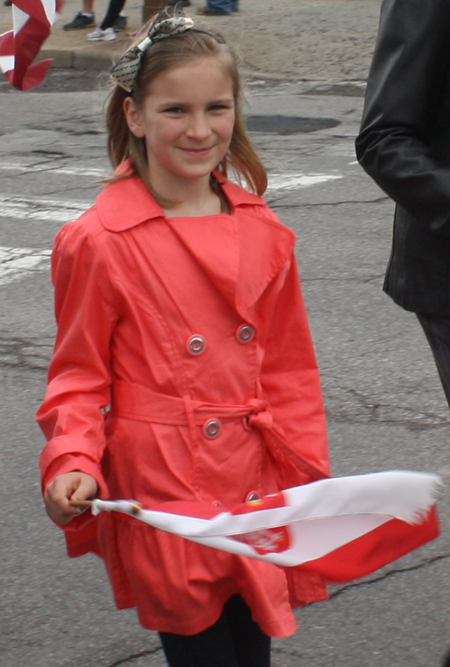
x=183, y=370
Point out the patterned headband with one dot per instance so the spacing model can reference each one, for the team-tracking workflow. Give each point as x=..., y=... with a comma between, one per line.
x=126, y=69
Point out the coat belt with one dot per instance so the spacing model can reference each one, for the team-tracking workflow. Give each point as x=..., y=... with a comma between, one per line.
x=133, y=401
x=140, y=403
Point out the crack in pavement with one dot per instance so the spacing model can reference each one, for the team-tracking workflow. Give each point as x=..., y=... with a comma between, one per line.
x=60, y=126
x=91, y=187
x=280, y=650
x=55, y=155
x=354, y=279
x=365, y=410
x=273, y=203
x=24, y=353
x=386, y=575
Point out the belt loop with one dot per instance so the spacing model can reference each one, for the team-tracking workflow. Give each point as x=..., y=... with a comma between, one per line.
x=258, y=387
x=189, y=409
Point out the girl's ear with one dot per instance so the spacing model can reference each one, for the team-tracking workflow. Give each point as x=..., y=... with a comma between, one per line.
x=133, y=117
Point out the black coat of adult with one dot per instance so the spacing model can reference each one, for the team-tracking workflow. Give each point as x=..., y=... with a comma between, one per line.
x=404, y=145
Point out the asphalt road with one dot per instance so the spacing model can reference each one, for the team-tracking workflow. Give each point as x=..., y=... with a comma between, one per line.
x=385, y=406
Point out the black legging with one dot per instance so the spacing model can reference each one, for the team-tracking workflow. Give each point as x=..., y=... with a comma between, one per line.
x=114, y=9
x=234, y=641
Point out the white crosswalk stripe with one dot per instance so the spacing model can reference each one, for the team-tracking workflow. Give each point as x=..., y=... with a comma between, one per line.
x=59, y=210
x=289, y=180
x=35, y=208
x=53, y=167
x=15, y=263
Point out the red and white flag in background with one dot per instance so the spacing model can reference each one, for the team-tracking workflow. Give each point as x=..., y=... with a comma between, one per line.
x=342, y=528
x=32, y=22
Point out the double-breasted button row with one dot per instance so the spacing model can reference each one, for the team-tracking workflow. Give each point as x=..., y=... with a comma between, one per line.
x=196, y=344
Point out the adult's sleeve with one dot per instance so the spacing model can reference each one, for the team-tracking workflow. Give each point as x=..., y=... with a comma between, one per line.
x=290, y=377
x=408, y=86
x=79, y=379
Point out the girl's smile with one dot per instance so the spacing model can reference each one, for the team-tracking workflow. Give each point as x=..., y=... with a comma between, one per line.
x=187, y=120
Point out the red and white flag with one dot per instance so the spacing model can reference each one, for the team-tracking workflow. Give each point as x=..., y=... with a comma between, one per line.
x=32, y=22
x=342, y=528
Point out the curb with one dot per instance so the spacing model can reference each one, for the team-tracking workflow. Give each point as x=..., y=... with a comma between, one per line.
x=84, y=59
x=79, y=59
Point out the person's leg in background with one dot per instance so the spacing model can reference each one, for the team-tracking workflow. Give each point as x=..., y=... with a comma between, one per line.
x=105, y=31
x=437, y=331
x=218, y=7
x=84, y=19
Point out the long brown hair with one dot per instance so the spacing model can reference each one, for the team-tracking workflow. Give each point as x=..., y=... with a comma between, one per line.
x=241, y=157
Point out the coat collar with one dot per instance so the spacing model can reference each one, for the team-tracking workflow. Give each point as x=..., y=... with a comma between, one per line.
x=137, y=204
x=240, y=254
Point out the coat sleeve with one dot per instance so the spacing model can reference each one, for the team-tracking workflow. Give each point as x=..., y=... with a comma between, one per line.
x=290, y=376
x=71, y=415
x=409, y=80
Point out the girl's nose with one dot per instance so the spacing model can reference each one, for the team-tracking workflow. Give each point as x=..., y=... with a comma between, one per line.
x=198, y=127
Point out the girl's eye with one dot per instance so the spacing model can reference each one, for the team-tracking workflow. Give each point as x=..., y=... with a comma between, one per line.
x=174, y=110
x=219, y=107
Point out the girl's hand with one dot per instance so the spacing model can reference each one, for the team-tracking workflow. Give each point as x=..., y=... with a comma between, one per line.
x=71, y=485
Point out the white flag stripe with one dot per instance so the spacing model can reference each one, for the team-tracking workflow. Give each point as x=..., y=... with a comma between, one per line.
x=17, y=263
x=19, y=19
x=313, y=537
x=7, y=63
x=394, y=494
x=321, y=517
x=50, y=10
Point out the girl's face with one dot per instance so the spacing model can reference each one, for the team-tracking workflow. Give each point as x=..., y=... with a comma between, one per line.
x=187, y=121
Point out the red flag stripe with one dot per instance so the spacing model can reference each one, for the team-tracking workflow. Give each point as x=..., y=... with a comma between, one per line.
x=374, y=550
x=25, y=45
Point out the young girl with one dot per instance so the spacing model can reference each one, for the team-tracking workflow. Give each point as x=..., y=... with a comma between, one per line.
x=183, y=366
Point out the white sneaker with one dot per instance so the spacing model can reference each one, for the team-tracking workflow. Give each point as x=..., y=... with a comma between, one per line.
x=100, y=35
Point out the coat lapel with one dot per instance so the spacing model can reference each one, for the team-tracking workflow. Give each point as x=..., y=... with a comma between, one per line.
x=265, y=247
x=213, y=242
x=240, y=254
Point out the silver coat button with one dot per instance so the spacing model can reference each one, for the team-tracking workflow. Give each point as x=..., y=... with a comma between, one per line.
x=196, y=345
x=212, y=428
x=245, y=333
